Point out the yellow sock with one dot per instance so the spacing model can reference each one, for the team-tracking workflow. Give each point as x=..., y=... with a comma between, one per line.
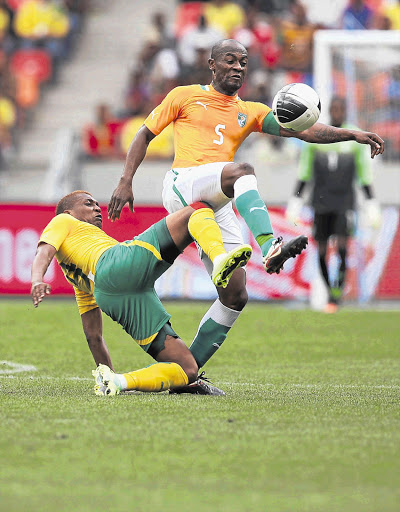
x=204, y=229
x=157, y=377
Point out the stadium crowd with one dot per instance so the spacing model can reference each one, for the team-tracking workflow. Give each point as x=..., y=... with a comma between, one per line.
x=278, y=36
x=36, y=37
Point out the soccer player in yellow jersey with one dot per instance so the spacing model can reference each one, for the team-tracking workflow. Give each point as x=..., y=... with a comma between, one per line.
x=210, y=123
x=119, y=278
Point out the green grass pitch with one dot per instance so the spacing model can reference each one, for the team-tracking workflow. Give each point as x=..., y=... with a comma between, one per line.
x=311, y=420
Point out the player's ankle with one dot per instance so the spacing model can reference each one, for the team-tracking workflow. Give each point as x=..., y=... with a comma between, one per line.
x=265, y=242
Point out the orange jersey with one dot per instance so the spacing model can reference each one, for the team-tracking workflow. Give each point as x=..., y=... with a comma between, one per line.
x=208, y=126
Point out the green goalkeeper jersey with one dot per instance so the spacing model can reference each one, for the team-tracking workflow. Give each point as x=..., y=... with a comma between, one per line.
x=334, y=169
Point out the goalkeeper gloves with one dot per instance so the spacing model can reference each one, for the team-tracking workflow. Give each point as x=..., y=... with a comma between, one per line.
x=293, y=210
x=373, y=213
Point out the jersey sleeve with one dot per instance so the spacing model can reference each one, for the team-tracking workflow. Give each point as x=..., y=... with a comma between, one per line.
x=85, y=301
x=57, y=230
x=306, y=163
x=166, y=112
x=270, y=124
x=259, y=111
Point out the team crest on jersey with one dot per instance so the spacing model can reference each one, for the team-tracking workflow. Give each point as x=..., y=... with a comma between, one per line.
x=242, y=119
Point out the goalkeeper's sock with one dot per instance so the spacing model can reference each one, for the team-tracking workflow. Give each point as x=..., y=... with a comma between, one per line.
x=343, y=266
x=254, y=211
x=156, y=377
x=212, y=331
x=205, y=230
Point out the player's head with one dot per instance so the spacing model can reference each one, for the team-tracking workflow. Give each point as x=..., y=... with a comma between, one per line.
x=228, y=64
x=337, y=111
x=81, y=205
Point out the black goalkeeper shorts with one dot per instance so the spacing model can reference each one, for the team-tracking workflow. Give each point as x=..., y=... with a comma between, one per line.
x=333, y=223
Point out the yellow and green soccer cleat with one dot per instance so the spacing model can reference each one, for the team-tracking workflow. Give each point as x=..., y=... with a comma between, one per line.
x=225, y=264
x=105, y=382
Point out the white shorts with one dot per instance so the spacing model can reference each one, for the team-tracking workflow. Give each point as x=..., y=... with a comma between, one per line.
x=185, y=186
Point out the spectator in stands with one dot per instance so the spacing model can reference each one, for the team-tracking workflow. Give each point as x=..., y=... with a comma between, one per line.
x=259, y=37
x=161, y=67
x=7, y=37
x=357, y=16
x=259, y=87
x=97, y=137
x=8, y=84
x=137, y=95
x=390, y=15
x=200, y=36
x=8, y=121
x=274, y=7
x=296, y=40
x=76, y=11
x=198, y=72
x=43, y=24
x=163, y=32
x=224, y=15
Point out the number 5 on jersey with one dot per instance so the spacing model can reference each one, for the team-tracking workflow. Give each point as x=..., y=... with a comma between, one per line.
x=218, y=129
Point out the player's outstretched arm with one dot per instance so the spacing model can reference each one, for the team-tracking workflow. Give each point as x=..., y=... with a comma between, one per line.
x=325, y=134
x=92, y=324
x=123, y=193
x=44, y=254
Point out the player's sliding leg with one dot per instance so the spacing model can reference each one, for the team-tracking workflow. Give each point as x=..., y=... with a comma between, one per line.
x=255, y=213
x=157, y=377
x=204, y=229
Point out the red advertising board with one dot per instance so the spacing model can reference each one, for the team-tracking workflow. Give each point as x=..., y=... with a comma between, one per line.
x=371, y=272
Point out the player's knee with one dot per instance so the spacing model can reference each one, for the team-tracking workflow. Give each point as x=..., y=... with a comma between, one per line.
x=244, y=169
x=235, y=299
x=231, y=173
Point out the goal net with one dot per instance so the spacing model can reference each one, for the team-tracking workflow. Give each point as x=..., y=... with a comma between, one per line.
x=364, y=68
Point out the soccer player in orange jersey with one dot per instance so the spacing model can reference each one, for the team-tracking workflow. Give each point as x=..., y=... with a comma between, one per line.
x=210, y=123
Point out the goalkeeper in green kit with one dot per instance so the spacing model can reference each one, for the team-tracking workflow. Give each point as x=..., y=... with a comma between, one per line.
x=333, y=170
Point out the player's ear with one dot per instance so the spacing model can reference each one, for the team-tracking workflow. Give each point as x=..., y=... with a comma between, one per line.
x=211, y=64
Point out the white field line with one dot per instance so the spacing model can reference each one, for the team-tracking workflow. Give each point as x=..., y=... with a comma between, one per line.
x=44, y=377
x=8, y=367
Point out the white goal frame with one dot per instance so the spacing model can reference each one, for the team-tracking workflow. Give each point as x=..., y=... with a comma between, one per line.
x=324, y=40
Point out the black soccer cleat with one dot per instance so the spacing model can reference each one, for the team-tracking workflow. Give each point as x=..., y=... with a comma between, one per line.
x=280, y=252
x=202, y=386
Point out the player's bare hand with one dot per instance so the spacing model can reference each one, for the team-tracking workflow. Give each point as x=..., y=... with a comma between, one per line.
x=376, y=143
x=122, y=194
x=38, y=291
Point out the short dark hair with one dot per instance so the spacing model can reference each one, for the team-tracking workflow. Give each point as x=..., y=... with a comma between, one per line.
x=67, y=202
x=222, y=47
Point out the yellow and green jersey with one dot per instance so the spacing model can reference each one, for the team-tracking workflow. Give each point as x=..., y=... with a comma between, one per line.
x=79, y=246
x=208, y=126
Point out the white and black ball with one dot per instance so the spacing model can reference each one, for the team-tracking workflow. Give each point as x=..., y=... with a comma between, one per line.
x=296, y=107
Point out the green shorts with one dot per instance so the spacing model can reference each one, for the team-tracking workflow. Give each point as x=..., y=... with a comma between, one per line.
x=124, y=283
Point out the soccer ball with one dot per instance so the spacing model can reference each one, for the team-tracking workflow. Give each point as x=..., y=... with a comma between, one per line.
x=296, y=107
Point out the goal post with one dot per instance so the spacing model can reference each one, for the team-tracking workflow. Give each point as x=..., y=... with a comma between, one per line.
x=363, y=66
